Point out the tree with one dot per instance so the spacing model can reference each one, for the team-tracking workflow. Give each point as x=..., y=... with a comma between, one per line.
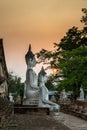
x=84, y=17
x=73, y=59
x=50, y=83
x=15, y=85
x=74, y=69
x=70, y=56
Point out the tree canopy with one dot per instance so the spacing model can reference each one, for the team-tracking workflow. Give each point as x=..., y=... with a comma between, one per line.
x=70, y=56
x=14, y=84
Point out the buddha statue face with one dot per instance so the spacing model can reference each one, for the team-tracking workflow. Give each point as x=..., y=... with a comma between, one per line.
x=30, y=58
x=42, y=76
x=45, y=78
x=31, y=62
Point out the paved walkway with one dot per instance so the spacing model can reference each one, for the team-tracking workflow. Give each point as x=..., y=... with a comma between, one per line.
x=72, y=122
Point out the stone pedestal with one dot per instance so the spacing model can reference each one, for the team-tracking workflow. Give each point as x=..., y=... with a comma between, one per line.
x=27, y=109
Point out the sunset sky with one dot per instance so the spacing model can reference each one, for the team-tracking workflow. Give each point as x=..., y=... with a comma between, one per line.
x=39, y=22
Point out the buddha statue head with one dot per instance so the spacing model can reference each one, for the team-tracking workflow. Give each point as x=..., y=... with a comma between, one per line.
x=42, y=76
x=30, y=58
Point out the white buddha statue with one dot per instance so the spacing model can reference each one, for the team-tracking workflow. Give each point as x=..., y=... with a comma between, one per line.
x=43, y=95
x=31, y=90
x=81, y=94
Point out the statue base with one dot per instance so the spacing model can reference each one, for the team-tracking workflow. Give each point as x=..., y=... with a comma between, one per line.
x=32, y=110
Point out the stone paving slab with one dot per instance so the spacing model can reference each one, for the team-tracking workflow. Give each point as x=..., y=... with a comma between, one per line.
x=73, y=122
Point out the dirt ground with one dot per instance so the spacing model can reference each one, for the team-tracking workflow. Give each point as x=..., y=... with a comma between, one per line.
x=34, y=122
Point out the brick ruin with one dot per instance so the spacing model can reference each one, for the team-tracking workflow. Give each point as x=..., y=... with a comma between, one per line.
x=3, y=72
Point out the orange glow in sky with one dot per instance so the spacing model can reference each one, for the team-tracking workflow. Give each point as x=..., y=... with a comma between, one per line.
x=39, y=22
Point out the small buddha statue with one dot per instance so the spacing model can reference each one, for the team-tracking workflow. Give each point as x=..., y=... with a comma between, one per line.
x=43, y=95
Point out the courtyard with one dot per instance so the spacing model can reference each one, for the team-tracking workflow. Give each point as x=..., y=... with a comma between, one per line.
x=45, y=122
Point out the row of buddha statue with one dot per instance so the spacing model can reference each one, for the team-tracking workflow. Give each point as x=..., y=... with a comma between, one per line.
x=35, y=91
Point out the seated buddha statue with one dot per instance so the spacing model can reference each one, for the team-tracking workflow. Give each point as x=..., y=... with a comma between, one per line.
x=43, y=94
x=31, y=90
